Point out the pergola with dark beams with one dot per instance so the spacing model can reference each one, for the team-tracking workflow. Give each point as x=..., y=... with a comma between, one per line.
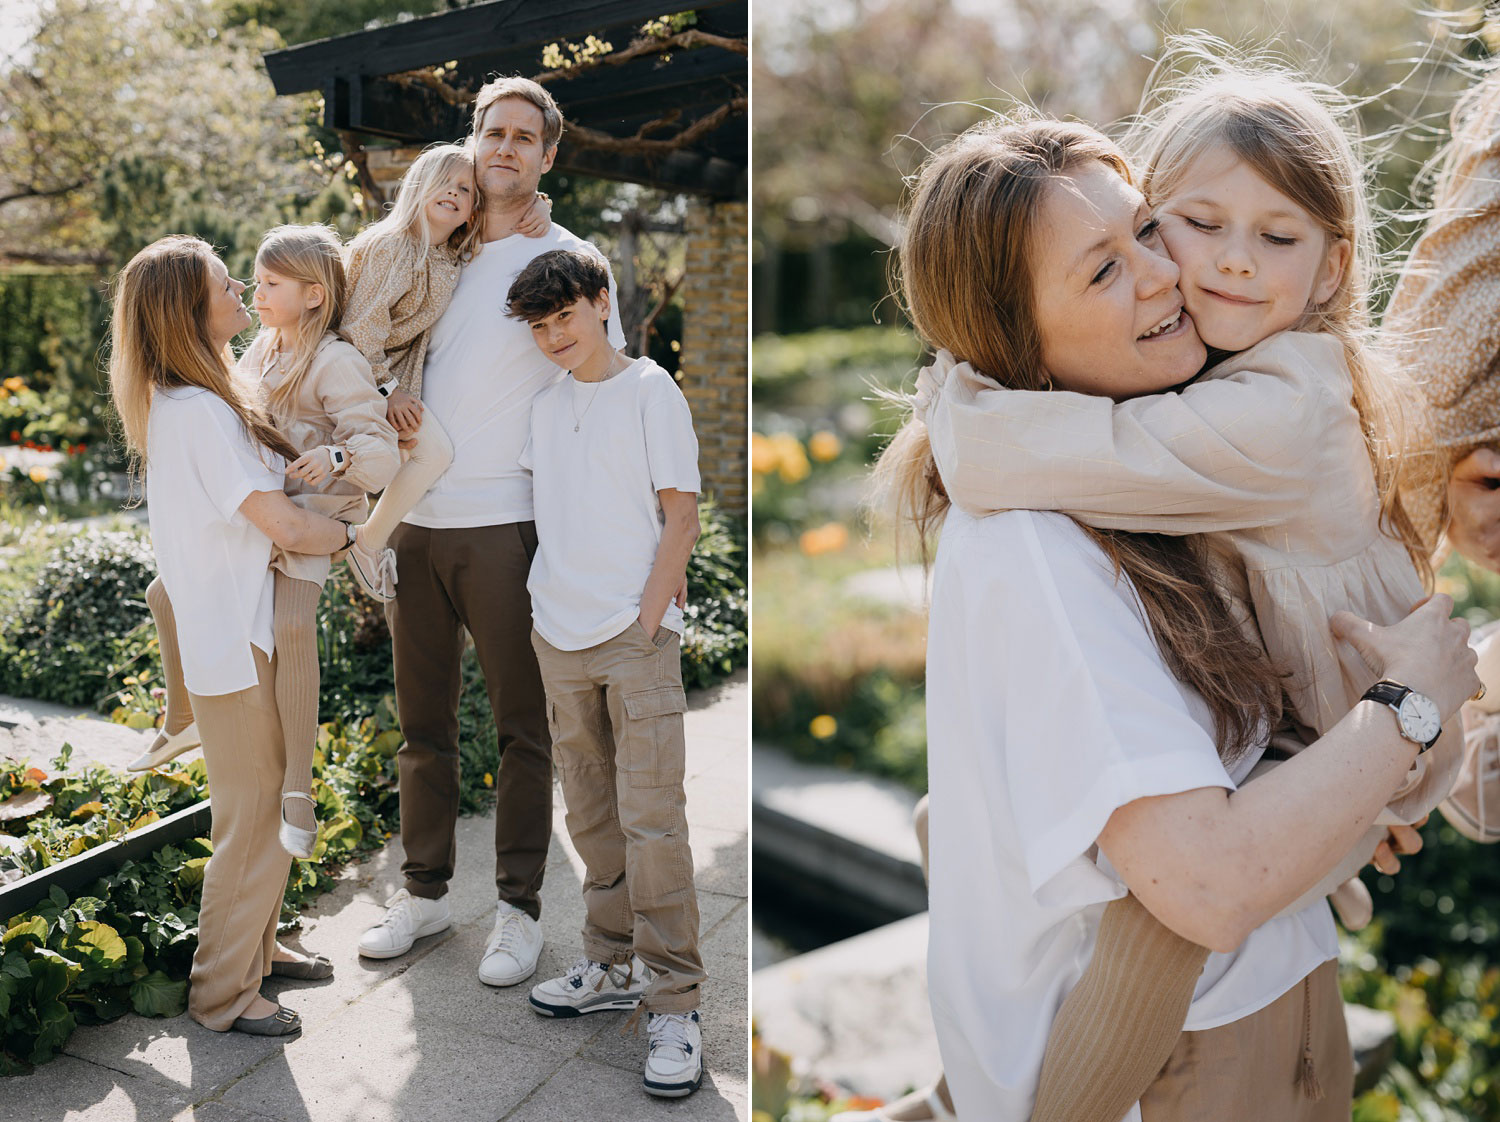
x=675, y=120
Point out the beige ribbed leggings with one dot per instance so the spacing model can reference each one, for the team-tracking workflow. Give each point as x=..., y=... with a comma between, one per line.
x=426, y=460
x=297, y=680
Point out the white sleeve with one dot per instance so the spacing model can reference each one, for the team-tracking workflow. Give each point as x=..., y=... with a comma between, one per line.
x=228, y=464
x=1089, y=717
x=671, y=444
x=526, y=461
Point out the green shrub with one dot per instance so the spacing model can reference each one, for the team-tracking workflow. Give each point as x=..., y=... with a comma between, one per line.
x=64, y=637
x=715, y=640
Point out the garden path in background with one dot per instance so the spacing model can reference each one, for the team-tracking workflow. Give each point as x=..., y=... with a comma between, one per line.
x=419, y=1038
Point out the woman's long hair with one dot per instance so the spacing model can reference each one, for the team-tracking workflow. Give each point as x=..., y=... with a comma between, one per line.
x=964, y=276
x=428, y=174
x=308, y=255
x=1287, y=128
x=160, y=338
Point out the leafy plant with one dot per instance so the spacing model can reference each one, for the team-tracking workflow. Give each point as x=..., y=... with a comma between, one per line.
x=715, y=640
x=65, y=634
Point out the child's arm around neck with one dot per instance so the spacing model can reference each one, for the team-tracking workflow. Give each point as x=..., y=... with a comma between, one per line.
x=1225, y=452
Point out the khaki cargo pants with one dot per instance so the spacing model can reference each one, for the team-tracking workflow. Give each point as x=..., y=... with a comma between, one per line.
x=615, y=711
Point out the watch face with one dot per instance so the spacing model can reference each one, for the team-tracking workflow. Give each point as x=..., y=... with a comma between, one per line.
x=1420, y=719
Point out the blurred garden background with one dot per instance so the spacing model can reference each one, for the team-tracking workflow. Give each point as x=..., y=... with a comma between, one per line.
x=122, y=121
x=848, y=99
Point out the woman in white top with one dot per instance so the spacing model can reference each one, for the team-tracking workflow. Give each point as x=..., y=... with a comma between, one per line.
x=1092, y=703
x=213, y=465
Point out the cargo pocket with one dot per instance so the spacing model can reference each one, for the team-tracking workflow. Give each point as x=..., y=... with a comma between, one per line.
x=557, y=761
x=654, y=749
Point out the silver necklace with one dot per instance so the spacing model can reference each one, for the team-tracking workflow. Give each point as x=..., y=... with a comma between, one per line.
x=573, y=397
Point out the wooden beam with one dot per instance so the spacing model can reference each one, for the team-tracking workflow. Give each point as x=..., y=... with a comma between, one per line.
x=486, y=27
x=684, y=170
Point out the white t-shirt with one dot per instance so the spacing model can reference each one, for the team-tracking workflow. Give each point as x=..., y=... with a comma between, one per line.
x=1048, y=707
x=481, y=374
x=598, y=516
x=200, y=466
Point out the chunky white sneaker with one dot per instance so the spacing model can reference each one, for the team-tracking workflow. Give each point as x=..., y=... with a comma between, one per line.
x=407, y=919
x=510, y=955
x=168, y=747
x=674, y=1054
x=592, y=987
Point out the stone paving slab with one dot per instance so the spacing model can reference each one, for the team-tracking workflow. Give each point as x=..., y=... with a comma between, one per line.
x=855, y=1012
x=419, y=1038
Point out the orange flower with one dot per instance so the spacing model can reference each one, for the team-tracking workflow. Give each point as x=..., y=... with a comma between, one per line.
x=824, y=446
x=828, y=538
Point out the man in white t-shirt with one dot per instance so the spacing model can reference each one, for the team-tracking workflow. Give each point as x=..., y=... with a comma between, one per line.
x=464, y=553
x=614, y=464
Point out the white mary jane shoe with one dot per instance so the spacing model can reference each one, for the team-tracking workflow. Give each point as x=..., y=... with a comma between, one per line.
x=168, y=747
x=294, y=839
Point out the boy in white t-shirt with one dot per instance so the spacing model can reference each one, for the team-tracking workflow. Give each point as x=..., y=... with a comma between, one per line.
x=614, y=465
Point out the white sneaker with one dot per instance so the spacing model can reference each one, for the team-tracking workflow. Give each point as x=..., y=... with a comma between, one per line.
x=515, y=943
x=167, y=747
x=407, y=919
x=592, y=987
x=375, y=573
x=674, y=1055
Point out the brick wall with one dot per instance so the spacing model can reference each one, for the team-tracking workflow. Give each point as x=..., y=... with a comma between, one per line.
x=715, y=345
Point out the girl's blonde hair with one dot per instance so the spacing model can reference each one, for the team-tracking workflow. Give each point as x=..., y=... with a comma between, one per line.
x=963, y=273
x=308, y=255
x=428, y=174
x=160, y=338
x=1287, y=128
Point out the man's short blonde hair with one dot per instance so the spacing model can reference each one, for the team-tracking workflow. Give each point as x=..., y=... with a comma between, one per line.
x=501, y=88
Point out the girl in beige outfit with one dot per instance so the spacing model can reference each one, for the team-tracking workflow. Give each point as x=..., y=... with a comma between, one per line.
x=319, y=390
x=1267, y=450
x=1443, y=319
x=402, y=272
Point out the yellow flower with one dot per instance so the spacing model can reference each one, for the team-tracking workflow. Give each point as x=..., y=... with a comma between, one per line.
x=39, y=474
x=828, y=538
x=763, y=454
x=824, y=446
x=791, y=459
x=823, y=726
x=489, y=780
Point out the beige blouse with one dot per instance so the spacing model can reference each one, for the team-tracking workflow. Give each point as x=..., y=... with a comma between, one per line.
x=1445, y=310
x=336, y=404
x=1265, y=452
x=394, y=299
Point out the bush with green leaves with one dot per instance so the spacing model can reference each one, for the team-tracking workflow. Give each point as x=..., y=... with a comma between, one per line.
x=716, y=638
x=65, y=635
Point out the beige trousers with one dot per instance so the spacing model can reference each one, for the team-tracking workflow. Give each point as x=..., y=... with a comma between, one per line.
x=615, y=710
x=1247, y=1071
x=245, y=878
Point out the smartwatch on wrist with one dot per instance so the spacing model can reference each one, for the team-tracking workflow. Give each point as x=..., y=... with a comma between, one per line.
x=338, y=459
x=385, y=389
x=1417, y=716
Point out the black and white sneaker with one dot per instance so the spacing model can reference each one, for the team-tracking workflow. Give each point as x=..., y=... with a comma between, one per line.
x=592, y=987
x=674, y=1054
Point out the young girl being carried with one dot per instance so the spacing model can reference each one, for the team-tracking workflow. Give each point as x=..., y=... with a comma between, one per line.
x=319, y=390
x=402, y=273
x=1287, y=450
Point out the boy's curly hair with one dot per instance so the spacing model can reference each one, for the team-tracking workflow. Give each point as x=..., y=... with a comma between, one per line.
x=554, y=280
